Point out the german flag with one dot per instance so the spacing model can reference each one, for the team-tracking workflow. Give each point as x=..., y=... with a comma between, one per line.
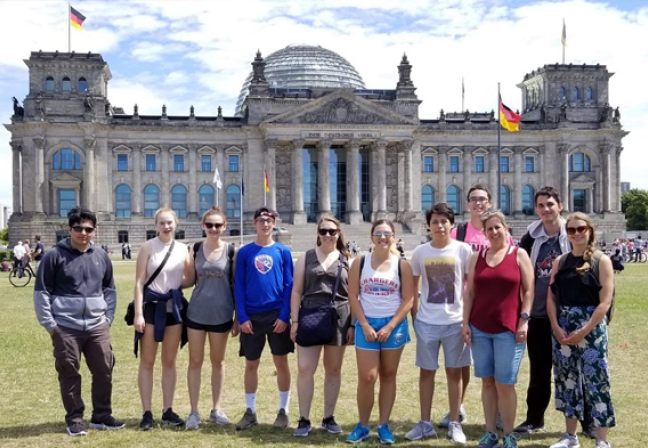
x=267, y=182
x=508, y=119
x=76, y=18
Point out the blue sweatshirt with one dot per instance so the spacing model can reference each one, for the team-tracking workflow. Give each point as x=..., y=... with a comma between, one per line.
x=263, y=281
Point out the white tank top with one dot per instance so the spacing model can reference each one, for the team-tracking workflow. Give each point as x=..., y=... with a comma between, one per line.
x=380, y=294
x=171, y=275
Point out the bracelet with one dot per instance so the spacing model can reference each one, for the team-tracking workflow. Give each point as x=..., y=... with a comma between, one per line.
x=352, y=326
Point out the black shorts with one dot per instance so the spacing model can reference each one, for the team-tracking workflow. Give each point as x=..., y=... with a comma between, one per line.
x=263, y=327
x=149, y=315
x=221, y=328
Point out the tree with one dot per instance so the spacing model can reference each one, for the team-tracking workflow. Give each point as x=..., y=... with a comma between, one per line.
x=634, y=204
x=4, y=235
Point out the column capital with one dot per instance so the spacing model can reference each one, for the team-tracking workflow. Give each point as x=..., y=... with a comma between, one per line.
x=271, y=142
x=324, y=143
x=353, y=144
x=89, y=143
x=563, y=148
x=518, y=150
x=297, y=143
x=39, y=142
x=619, y=150
x=467, y=149
x=381, y=143
x=606, y=148
x=406, y=145
x=16, y=145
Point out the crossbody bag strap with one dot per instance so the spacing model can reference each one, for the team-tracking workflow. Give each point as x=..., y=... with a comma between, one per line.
x=337, y=279
x=159, y=269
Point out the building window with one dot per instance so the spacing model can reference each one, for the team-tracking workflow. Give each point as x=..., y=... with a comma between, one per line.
x=205, y=198
x=427, y=197
x=49, y=84
x=505, y=200
x=505, y=164
x=233, y=163
x=205, y=163
x=123, y=201
x=150, y=234
x=66, y=159
x=150, y=162
x=589, y=94
x=151, y=200
x=529, y=164
x=122, y=162
x=428, y=164
x=66, y=84
x=528, y=195
x=576, y=93
x=83, y=85
x=178, y=162
x=233, y=201
x=454, y=164
x=479, y=164
x=179, y=200
x=580, y=200
x=122, y=236
x=180, y=235
x=453, y=198
x=67, y=201
x=579, y=162
x=562, y=94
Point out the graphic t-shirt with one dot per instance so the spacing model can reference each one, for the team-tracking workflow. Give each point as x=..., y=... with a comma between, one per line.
x=442, y=272
x=476, y=238
x=548, y=252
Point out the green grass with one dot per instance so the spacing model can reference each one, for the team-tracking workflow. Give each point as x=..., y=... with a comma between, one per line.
x=31, y=412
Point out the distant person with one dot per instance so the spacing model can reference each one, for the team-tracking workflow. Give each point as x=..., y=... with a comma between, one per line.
x=123, y=251
x=39, y=251
x=19, y=259
x=4, y=266
x=617, y=261
x=638, y=249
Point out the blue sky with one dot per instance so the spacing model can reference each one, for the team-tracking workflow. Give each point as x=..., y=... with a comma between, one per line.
x=183, y=53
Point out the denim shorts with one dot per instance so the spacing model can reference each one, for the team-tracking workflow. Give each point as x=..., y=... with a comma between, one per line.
x=430, y=339
x=497, y=355
x=397, y=339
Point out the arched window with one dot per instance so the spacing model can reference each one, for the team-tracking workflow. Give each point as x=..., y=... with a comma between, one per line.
x=233, y=201
x=179, y=200
x=205, y=198
x=562, y=93
x=427, y=197
x=589, y=94
x=576, y=93
x=83, y=85
x=49, y=84
x=66, y=159
x=123, y=201
x=151, y=200
x=453, y=198
x=579, y=162
x=528, y=195
x=66, y=84
x=505, y=200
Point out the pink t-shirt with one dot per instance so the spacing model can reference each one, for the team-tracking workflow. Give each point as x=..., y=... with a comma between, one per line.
x=476, y=238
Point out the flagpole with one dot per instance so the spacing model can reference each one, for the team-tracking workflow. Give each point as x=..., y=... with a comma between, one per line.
x=69, y=30
x=265, y=193
x=499, y=149
x=463, y=90
x=242, y=186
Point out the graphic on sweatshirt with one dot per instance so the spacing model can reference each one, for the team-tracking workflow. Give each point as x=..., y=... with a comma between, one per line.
x=263, y=263
x=440, y=272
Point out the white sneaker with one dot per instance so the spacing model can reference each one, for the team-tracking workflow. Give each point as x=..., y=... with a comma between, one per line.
x=217, y=416
x=567, y=441
x=463, y=418
x=422, y=430
x=193, y=421
x=456, y=434
x=602, y=444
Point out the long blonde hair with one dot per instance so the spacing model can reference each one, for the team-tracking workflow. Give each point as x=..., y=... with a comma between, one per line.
x=591, y=242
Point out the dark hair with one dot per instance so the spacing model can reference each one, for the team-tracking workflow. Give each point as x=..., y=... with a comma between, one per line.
x=340, y=245
x=478, y=187
x=440, y=209
x=77, y=214
x=37, y=237
x=214, y=211
x=265, y=211
x=547, y=191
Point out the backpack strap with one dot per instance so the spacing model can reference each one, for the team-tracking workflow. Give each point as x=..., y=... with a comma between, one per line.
x=196, y=248
x=230, y=257
x=563, y=260
x=461, y=232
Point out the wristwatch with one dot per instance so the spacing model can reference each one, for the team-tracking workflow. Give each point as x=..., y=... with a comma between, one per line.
x=525, y=316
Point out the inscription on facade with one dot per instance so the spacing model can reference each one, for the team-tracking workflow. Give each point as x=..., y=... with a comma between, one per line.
x=340, y=135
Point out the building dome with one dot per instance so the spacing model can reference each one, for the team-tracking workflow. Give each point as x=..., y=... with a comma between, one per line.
x=303, y=67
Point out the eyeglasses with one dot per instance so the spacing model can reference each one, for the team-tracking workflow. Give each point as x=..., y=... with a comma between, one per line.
x=216, y=225
x=265, y=220
x=575, y=230
x=478, y=199
x=381, y=234
x=331, y=232
x=81, y=229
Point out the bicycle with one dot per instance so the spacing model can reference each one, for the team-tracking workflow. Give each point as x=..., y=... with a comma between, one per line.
x=27, y=274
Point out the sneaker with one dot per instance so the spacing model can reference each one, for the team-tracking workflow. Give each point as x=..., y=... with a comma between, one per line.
x=249, y=419
x=147, y=421
x=463, y=418
x=602, y=444
x=303, y=427
x=527, y=427
x=385, y=435
x=510, y=441
x=217, y=416
x=567, y=441
x=108, y=423
x=488, y=440
x=456, y=434
x=193, y=421
x=422, y=430
x=359, y=434
x=171, y=418
x=329, y=424
x=77, y=429
x=282, y=421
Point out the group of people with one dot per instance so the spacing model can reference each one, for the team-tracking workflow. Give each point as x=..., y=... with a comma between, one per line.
x=23, y=254
x=482, y=299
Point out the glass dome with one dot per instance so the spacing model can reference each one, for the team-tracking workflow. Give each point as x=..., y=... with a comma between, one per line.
x=303, y=67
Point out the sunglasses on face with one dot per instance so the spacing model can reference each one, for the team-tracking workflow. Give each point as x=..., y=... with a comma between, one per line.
x=264, y=220
x=216, y=225
x=381, y=234
x=575, y=230
x=324, y=232
x=478, y=199
x=81, y=229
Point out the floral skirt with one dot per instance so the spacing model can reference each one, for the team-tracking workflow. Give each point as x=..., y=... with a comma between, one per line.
x=581, y=372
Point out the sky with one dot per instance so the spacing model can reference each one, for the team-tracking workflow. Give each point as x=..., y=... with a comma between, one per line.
x=192, y=52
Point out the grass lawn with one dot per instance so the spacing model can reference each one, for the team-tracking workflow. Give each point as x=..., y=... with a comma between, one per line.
x=31, y=412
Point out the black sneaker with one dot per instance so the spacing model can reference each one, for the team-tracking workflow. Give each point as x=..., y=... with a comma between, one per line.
x=171, y=418
x=527, y=427
x=147, y=421
x=77, y=429
x=108, y=423
x=303, y=427
x=329, y=424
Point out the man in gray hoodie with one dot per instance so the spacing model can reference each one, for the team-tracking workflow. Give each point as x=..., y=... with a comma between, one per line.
x=75, y=301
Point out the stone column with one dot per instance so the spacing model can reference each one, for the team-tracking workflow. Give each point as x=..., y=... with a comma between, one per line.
x=103, y=168
x=192, y=200
x=16, y=155
x=518, y=166
x=409, y=174
x=416, y=176
x=379, y=167
x=467, y=176
x=271, y=170
x=297, y=171
x=615, y=184
x=443, y=161
x=39, y=181
x=89, y=178
x=604, y=186
x=164, y=184
x=590, y=200
x=400, y=180
x=563, y=151
x=323, y=178
x=136, y=198
x=541, y=162
x=353, y=214
x=493, y=167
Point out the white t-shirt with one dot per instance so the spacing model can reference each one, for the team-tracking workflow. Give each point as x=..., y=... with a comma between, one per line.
x=380, y=294
x=19, y=251
x=443, y=272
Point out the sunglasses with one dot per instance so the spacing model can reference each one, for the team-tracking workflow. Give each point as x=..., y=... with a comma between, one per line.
x=381, y=234
x=331, y=232
x=265, y=220
x=210, y=225
x=575, y=230
x=478, y=199
x=81, y=229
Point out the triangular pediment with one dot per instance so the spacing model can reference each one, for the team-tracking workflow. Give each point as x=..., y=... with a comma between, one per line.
x=582, y=179
x=341, y=107
x=65, y=180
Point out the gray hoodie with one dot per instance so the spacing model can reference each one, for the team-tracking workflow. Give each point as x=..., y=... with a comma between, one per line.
x=75, y=289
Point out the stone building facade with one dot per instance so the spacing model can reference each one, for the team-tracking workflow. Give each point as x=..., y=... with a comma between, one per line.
x=358, y=154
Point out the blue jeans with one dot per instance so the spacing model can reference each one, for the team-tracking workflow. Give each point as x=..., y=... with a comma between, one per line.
x=496, y=355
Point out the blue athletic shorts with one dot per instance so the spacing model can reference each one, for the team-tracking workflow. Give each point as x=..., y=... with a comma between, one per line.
x=397, y=339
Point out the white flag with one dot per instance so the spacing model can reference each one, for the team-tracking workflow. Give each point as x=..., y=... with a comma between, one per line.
x=217, y=179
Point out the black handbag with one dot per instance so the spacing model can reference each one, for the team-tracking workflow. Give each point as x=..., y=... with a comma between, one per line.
x=130, y=310
x=317, y=326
